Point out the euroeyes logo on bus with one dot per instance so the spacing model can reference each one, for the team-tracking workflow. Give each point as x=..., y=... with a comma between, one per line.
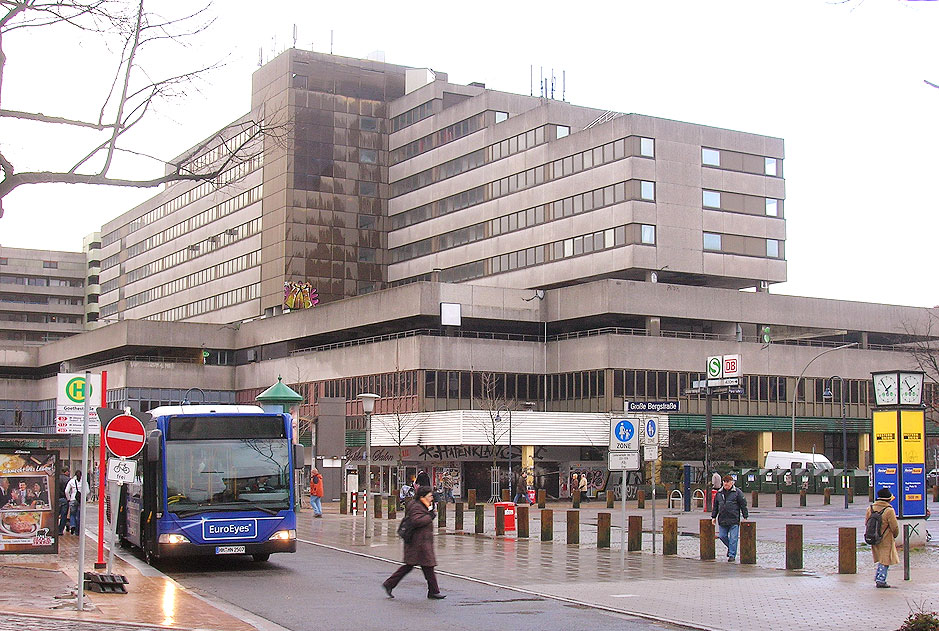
x=229, y=529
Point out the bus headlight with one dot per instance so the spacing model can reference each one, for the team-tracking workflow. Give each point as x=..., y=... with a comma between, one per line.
x=172, y=538
x=284, y=535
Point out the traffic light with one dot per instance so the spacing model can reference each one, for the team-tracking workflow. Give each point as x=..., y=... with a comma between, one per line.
x=765, y=335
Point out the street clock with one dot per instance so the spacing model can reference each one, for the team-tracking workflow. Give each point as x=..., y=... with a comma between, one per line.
x=886, y=388
x=911, y=388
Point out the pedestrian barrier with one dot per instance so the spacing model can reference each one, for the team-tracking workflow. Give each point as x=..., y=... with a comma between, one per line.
x=377, y=499
x=542, y=497
x=343, y=504
x=508, y=516
x=547, y=525
x=675, y=496
x=697, y=498
x=603, y=530
x=634, y=540
x=471, y=498
x=755, y=499
x=609, y=499
x=575, y=499
x=640, y=499
x=748, y=542
x=458, y=516
x=847, y=551
x=480, y=519
x=105, y=583
x=802, y=498
x=827, y=494
x=500, y=519
x=505, y=495
x=521, y=513
x=441, y=514
x=778, y=499
x=573, y=527
x=793, y=546
x=706, y=544
x=670, y=536
x=393, y=506
x=935, y=493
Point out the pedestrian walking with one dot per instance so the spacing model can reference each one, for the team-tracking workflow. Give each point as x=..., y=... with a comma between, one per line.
x=62, y=501
x=521, y=489
x=446, y=484
x=575, y=483
x=885, y=551
x=419, y=546
x=583, y=487
x=729, y=504
x=73, y=492
x=422, y=479
x=316, y=492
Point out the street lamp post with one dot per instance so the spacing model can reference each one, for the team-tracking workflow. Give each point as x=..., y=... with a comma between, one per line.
x=829, y=392
x=795, y=392
x=368, y=405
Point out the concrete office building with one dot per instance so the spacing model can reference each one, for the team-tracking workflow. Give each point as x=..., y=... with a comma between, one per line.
x=595, y=257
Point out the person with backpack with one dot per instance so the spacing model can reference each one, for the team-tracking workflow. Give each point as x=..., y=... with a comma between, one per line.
x=880, y=531
x=729, y=504
x=316, y=492
x=418, y=535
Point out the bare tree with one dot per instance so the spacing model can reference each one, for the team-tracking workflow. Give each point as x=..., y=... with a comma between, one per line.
x=135, y=89
x=923, y=347
x=399, y=422
x=498, y=420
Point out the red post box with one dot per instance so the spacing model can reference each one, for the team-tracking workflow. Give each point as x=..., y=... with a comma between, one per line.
x=509, y=514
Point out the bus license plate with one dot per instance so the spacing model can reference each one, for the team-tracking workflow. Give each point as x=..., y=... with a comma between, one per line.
x=229, y=549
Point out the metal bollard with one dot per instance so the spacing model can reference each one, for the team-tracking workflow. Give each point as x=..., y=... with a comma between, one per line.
x=827, y=494
x=471, y=498
x=778, y=499
x=802, y=499
x=670, y=535
x=609, y=499
x=505, y=495
x=441, y=514
x=603, y=529
x=458, y=516
x=500, y=520
x=542, y=497
x=573, y=527
x=793, y=546
x=748, y=542
x=575, y=499
x=634, y=541
x=480, y=519
x=847, y=551
x=343, y=504
x=547, y=525
x=754, y=499
x=706, y=543
x=521, y=518
x=640, y=499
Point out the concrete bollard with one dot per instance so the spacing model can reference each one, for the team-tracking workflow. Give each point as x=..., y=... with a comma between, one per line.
x=547, y=525
x=827, y=494
x=344, y=504
x=748, y=542
x=500, y=520
x=609, y=499
x=573, y=526
x=847, y=551
x=521, y=521
x=935, y=493
x=850, y=493
x=471, y=498
x=802, y=499
x=458, y=516
x=778, y=499
x=505, y=495
x=754, y=499
x=670, y=535
x=441, y=514
x=542, y=497
x=376, y=498
x=603, y=530
x=480, y=519
x=793, y=546
x=575, y=499
x=634, y=540
x=640, y=499
x=706, y=543
x=393, y=506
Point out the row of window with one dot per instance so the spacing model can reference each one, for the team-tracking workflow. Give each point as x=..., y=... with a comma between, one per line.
x=226, y=148
x=744, y=162
x=186, y=226
x=714, y=242
x=738, y=202
x=34, y=299
x=629, y=234
x=40, y=281
x=212, y=303
x=206, y=188
x=195, y=250
x=197, y=279
x=40, y=337
x=450, y=133
x=575, y=163
x=412, y=116
x=558, y=209
x=41, y=318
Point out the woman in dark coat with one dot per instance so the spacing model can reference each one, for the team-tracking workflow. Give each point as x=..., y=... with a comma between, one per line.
x=420, y=549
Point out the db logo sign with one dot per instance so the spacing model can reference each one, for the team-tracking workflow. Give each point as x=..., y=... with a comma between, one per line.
x=730, y=365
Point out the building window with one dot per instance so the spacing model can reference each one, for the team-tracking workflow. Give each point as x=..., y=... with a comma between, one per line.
x=367, y=123
x=769, y=166
x=647, y=147
x=772, y=248
x=4, y=260
x=711, y=199
x=647, y=191
x=563, y=130
x=368, y=189
x=50, y=264
x=368, y=156
x=772, y=207
x=648, y=234
x=501, y=116
x=710, y=157
x=712, y=241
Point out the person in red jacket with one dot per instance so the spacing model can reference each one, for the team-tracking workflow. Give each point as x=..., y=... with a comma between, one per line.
x=316, y=492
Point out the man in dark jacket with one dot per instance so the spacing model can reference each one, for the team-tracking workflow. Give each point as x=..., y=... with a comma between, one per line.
x=419, y=549
x=729, y=504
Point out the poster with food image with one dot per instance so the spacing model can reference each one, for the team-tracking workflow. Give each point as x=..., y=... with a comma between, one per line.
x=28, y=500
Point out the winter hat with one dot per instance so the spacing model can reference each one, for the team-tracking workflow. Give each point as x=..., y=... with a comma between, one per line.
x=884, y=494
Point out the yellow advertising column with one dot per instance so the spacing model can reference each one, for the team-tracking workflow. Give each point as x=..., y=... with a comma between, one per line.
x=913, y=463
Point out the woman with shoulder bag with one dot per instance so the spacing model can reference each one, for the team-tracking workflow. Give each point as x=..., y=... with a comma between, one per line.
x=419, y=545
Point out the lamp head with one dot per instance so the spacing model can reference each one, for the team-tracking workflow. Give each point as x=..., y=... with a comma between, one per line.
x=368, y=401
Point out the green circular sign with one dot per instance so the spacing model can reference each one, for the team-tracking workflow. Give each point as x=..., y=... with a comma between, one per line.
x=75, y=389
x=714, y=368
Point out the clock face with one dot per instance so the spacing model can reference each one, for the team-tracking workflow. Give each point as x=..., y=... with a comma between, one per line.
x=911, y=388
x=885, y=389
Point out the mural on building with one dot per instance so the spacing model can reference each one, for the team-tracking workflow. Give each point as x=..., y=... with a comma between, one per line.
x=300, y=295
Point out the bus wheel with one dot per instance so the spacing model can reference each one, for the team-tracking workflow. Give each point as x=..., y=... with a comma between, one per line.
x=260, y=558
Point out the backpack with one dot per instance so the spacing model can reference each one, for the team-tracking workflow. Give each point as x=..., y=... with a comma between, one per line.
x=873, y=529
x=406, y=529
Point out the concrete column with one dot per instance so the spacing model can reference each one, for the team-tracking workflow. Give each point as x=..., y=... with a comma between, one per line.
x=864, y=449
x=528, y=461
x=864, y=341
x=764, y=444
x=653, y=326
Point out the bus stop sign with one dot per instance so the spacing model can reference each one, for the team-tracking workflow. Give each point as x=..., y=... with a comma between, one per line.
x=124, y=436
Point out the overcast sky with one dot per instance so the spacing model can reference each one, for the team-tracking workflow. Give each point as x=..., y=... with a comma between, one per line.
x=842, y=83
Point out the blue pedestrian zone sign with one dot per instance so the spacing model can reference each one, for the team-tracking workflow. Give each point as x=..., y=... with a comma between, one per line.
x=623, y=435
x=650, y=429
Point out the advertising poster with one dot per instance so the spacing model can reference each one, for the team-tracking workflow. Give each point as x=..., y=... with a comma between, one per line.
x=28, y=497
x=886, y=454
x=913, y=451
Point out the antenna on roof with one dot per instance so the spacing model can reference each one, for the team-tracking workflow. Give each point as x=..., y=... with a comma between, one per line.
x=564, y=85
x=294, y=35
x=260, y=56
x=531, y=80
x=541, y=80
x=552, y=83
x=330, y=41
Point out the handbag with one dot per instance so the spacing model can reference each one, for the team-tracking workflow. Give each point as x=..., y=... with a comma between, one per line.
x=406, y=529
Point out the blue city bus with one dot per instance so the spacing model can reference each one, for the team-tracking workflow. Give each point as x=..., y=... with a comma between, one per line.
x=213, y=480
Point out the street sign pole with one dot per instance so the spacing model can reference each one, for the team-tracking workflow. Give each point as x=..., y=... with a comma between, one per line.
x=82, y=484
x=622, y=530
x=102, y=463
x=653, y=507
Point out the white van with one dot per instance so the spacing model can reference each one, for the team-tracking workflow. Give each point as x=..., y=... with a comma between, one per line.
x=797, y=460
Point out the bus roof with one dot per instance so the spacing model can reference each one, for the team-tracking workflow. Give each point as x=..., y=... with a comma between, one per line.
x=167, y=410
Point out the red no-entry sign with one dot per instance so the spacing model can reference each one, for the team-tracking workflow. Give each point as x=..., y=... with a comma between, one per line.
x=124, y=436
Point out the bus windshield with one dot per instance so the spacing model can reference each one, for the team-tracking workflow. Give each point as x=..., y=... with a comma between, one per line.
x=230, y=474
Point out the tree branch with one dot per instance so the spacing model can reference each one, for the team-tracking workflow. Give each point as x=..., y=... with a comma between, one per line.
x=58, y=120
